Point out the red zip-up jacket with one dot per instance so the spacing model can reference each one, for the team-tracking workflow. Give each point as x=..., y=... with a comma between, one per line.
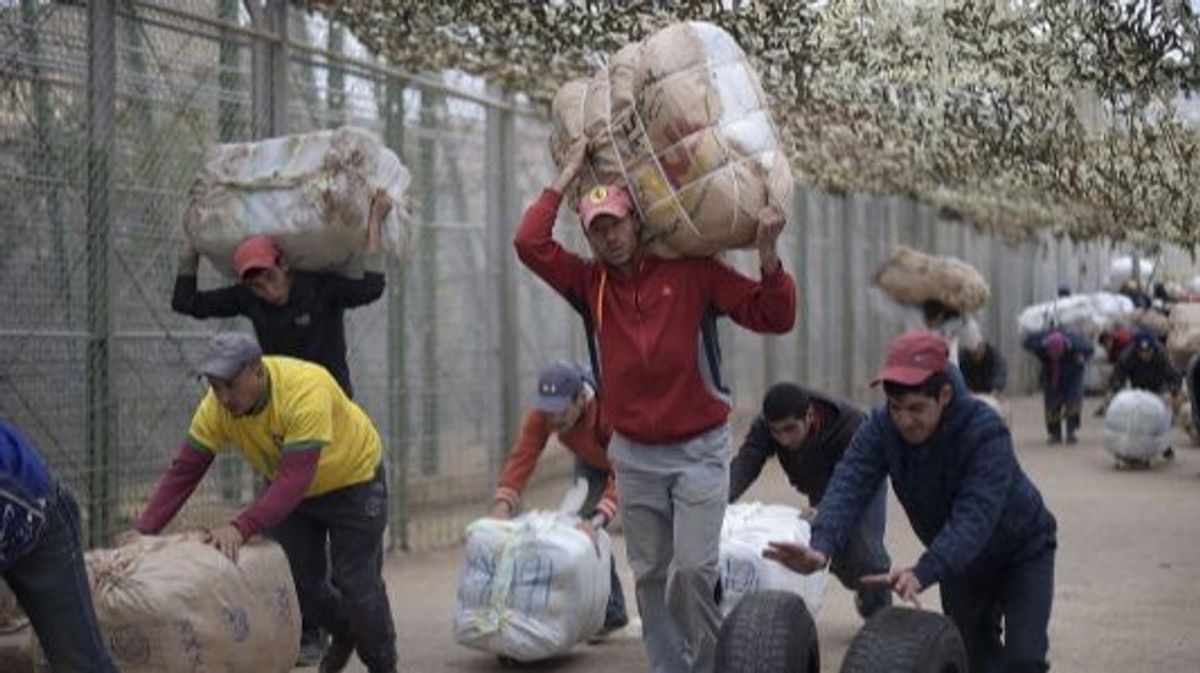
x=653, y=333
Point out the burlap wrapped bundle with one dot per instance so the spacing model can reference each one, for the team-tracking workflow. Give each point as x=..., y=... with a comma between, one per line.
x=311, y=191
x=681, y=120
x=912, y=277
x=1183, y=337
x=1150, y=320
x=174, y=604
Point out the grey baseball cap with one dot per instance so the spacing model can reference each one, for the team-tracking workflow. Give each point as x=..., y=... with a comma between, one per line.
x=227, y=353
x=558, y=384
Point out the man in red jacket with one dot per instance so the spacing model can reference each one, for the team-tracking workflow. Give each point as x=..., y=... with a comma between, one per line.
x=652, y=331
x=567, y=406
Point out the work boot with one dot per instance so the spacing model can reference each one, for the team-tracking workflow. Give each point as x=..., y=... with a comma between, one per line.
x=337, y=655
x=1071, y=438
x=1169, y=454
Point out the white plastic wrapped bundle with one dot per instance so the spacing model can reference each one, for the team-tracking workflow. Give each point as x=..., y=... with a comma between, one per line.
x=1120, y=270
x=1137, y=425
x=311, y=191
x=532, y=587
x=747, y=529
x=1087, y=314
x=681, y=119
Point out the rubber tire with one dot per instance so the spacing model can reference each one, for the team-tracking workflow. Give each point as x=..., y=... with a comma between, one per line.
x=769, y=632
x=903, y=640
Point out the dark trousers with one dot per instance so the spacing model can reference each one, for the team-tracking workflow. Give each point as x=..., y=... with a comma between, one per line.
x=615, y=613
x=1015, y=601
x=51, y=584
x=864, y=554
x=354, y=607
x=1063, y=404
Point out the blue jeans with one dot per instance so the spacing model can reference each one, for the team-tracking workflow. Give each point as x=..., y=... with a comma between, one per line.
x=354, y=607
x=615, y=614
x=864, y=554
x=51, y=584
x=1019, y=595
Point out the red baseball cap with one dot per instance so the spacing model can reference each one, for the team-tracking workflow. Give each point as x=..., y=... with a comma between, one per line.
x=913, y=357
x=604, y=200
x=256, y=252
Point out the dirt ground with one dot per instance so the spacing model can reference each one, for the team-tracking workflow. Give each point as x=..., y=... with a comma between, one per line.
x=1127, y=594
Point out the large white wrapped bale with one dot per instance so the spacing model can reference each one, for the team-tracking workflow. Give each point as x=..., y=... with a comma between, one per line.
x=912, y=277
x=1085, y=314
x=1120, y=271
x=1137, y=426
x=1183, y=339
x=174, y=604
x=747, y=529
x=311, y=191
x=682, y=120
x=532, y=587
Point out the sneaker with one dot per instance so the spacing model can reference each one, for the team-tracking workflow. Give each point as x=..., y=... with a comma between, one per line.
x=1072, y=439
x=337, y=655
x=312, y=647
x=1169, y=454
x=1054, y=439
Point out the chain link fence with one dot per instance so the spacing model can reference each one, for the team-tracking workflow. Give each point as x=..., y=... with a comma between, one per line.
x=105, y=112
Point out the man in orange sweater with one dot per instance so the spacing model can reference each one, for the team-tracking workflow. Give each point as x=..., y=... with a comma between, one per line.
x=567, y=406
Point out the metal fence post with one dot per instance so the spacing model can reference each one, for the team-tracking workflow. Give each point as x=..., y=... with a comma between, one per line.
x=800, y=224
x=500, y=188
x=397, y=340
x=269, y=68
x=101, y=416
x=426, y=180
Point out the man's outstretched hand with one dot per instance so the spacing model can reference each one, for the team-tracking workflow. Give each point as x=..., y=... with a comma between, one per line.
x=901, y=580
x=795, y=556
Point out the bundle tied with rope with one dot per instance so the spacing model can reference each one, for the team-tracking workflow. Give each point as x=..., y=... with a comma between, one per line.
x=681, y=120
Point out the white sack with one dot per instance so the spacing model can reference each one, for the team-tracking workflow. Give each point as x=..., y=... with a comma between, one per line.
x=1137, y=425
x=532, y=587
x=311, y=191
x=1120, y=270
x=1086, y=314
x=747, y=529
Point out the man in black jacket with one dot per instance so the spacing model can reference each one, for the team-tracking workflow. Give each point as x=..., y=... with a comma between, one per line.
x=295, y=313
x=808, y=433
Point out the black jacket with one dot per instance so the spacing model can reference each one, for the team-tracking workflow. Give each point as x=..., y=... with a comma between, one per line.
x=1155, y=375
x=809, y=468
x=989, y=374
x=310, y=326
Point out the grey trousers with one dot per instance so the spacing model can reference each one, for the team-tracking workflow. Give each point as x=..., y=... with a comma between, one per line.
x=673, y=504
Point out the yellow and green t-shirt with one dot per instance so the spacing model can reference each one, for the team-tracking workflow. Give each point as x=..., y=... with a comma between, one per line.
x=305, y=409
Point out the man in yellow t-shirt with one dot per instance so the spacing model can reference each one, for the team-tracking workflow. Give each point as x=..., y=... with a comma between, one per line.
x=321, y=457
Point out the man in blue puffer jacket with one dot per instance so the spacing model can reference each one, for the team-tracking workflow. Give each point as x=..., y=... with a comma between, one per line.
x=990, y=541
x=41, y=558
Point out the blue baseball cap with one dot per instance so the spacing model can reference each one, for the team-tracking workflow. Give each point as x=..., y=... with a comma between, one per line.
x=558, y=384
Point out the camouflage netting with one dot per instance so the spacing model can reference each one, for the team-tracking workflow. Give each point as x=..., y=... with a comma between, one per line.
x=1016, y=115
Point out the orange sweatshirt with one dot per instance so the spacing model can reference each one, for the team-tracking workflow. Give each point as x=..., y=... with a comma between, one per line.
x=587, y=439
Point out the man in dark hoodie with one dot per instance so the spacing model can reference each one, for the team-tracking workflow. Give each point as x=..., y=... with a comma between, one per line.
x=809, y=432
x=990, y=541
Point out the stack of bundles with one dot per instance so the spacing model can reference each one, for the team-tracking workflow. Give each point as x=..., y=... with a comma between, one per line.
x=1137, y=426
x=532, y=587
x=1084, y=314
x=312, y=192
x=681, y=119
x=912, y=277
x=747, y=529
x=1183, y=339
x=174, y=604
x=1120, y=271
